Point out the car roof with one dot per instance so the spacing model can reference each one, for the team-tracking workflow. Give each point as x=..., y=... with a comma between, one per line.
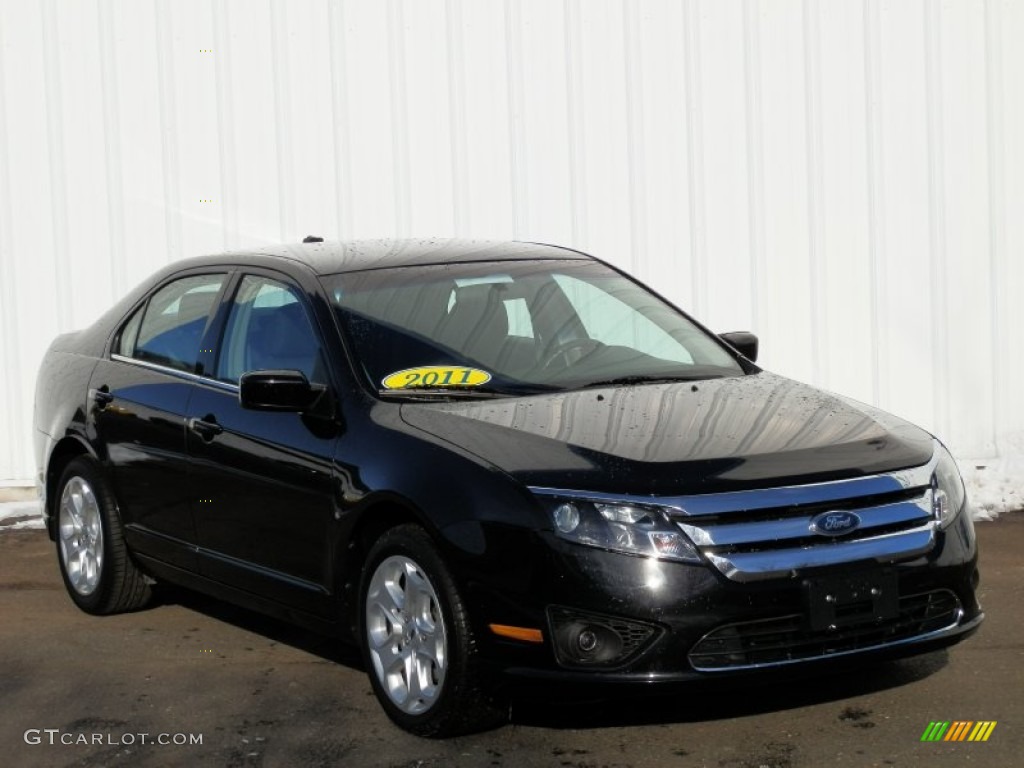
x=327, y=258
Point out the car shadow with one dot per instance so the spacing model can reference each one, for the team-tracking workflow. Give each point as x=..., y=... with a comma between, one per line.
x=726, y=700
x=279, y=631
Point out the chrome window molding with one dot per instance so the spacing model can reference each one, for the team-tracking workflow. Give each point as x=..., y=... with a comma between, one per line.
x=187, y=375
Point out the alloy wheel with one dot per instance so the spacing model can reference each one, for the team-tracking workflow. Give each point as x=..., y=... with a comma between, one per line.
x=406, y=634
x=81, y=536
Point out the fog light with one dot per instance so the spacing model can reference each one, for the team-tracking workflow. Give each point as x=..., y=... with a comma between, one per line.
x=587, y=641
x=567, y=517
x=584, y=639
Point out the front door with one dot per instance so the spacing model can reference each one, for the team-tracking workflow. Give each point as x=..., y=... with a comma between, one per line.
x=262, y=481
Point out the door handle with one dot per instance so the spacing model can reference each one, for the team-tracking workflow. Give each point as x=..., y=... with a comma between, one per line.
x=207, y=428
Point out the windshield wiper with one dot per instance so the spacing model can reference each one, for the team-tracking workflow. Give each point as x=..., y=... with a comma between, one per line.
x=625, y=381
x=451, y=391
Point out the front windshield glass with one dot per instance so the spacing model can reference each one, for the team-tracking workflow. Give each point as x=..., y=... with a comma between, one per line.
x=517, y=327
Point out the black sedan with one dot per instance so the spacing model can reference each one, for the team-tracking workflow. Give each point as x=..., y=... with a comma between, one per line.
x=489, y=463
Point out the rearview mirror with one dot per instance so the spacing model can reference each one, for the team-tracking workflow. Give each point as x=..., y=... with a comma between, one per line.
x=743, y=342
x=277, y=391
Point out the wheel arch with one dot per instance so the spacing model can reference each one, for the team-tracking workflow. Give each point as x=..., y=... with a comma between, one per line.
x=64, y=452
x=374, y=520
x=465, y=699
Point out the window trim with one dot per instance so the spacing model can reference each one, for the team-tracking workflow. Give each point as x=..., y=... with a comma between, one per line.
x=177, y=372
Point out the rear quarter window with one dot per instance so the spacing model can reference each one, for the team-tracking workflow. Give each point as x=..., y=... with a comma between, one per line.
x=129, y=333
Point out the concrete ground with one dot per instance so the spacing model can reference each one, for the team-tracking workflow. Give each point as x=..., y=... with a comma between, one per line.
x=260, y=693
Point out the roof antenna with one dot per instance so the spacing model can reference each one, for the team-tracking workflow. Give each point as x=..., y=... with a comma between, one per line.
x=312, y=239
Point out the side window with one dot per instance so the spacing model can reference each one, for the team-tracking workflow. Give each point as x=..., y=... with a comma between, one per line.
x=269, y=329
x=174, y=321
x=612, y=321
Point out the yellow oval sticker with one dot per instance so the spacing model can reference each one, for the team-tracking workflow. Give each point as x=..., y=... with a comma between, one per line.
x=436, y=376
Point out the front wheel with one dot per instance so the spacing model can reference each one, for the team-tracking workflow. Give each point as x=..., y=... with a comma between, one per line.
x=94, y=562
x=418, y=645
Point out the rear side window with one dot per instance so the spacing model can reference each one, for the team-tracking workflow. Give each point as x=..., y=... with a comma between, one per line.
x=174, y=321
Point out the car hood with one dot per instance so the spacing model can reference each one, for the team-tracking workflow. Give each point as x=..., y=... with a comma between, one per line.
x=678, y=438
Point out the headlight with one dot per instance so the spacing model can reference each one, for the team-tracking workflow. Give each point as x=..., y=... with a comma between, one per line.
x=620, y=527
x=948, y=493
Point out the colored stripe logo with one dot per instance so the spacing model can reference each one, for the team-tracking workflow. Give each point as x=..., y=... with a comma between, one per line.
x=959, y=730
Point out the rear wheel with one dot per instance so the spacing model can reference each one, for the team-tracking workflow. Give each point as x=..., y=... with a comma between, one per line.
x=417, y=642
x=99, y=574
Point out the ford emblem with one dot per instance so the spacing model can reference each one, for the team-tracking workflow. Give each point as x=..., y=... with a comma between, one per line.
x=835, y=523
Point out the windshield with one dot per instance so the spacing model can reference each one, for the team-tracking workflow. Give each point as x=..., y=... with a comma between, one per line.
x=517, y=327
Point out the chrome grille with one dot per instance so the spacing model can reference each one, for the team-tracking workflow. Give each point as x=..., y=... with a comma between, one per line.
x=765, y=534
x=773, y=547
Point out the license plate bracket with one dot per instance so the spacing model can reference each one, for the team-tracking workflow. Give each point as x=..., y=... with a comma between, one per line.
x=840, y=600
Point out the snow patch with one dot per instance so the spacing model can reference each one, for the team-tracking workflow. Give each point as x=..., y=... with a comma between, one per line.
x=21, y=515
x=994, y=486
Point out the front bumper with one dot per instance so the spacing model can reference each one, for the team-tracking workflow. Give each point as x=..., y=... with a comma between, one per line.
x=686, y=603
x=590, y=679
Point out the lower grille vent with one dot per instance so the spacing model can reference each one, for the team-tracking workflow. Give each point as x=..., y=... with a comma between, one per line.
x=785, y=639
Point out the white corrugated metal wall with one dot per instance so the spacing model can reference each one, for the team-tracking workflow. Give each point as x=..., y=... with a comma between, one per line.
x=844, y=178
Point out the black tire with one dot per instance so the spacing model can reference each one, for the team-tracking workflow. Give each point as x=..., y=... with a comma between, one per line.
x=95, y=564
x=462, y=701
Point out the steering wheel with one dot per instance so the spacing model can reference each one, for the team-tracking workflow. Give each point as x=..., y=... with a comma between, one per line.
x=570, y=352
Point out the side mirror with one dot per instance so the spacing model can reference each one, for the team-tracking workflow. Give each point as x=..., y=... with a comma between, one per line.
x=743, y=342
x=277, y=391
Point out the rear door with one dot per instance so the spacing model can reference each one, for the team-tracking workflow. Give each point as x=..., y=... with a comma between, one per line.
x=263, y=480
x=140, y=397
